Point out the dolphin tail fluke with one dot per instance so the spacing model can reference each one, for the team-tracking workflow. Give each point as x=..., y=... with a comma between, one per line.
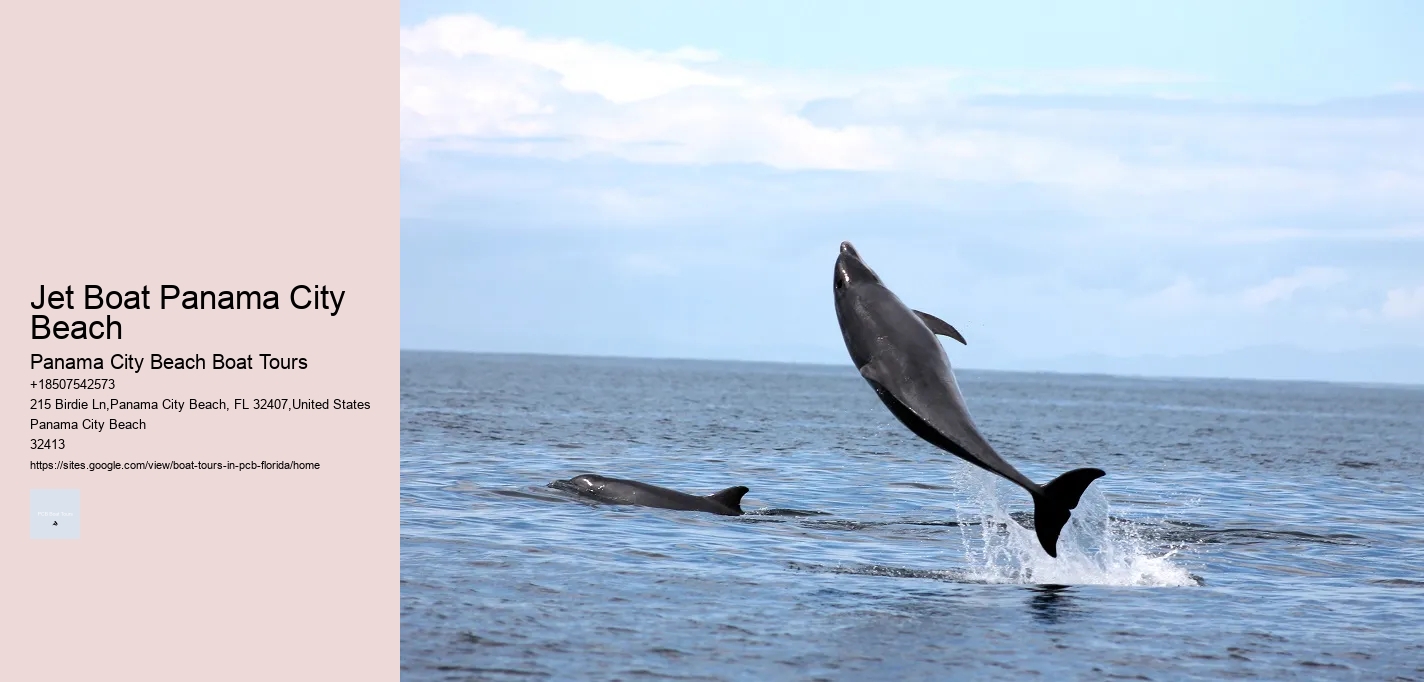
x=1054, y=505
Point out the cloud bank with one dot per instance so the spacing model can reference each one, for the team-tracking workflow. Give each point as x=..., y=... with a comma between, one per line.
x=1027, y=199
x=471, y=85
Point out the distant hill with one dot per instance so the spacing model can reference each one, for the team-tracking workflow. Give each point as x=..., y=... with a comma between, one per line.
x=1392, y=365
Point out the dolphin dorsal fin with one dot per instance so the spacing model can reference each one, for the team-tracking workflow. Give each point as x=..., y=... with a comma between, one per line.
x=731, y=497
x=941, y=327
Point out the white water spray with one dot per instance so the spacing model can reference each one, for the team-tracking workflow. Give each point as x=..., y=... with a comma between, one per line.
x=1091, y=549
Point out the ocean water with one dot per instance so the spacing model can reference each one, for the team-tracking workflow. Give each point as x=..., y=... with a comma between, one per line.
x=1245, y=529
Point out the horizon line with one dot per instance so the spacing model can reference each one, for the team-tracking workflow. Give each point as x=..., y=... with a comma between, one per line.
x=1363, y=384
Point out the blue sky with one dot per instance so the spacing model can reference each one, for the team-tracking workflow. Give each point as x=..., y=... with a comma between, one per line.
x=1067, y=183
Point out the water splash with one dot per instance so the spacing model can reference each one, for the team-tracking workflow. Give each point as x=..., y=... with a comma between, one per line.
x=1092, y=550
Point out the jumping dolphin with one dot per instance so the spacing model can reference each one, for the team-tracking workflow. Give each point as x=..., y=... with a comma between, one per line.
x=896, y=351
x=622, y=491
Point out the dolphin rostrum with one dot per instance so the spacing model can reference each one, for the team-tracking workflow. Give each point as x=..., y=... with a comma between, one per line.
x=622, y=491
x=896, y=351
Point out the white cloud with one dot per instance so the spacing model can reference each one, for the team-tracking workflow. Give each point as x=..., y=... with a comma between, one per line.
x=485, y=86
x=1185, y=297
x=614, y=73
x=1089, y=138
x=1181, y=296
x=1404, y=303
x=1282, y=288
x=1362, y=233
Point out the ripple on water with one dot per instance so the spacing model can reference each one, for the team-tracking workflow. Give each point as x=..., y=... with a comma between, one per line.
x=1286, y=509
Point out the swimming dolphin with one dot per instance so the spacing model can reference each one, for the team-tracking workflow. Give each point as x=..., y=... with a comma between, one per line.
x=622, y=491
x=896, y=351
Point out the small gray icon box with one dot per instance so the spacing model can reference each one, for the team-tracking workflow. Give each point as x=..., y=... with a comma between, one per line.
x=54, y=514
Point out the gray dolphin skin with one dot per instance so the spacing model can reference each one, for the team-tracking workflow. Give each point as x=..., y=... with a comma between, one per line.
x=896, y=351
x=622, y=491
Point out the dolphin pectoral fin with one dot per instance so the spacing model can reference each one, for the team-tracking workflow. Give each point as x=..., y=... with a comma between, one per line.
x=881, y=381
x=941, y=327
x=872, y=373
x=731, y=497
